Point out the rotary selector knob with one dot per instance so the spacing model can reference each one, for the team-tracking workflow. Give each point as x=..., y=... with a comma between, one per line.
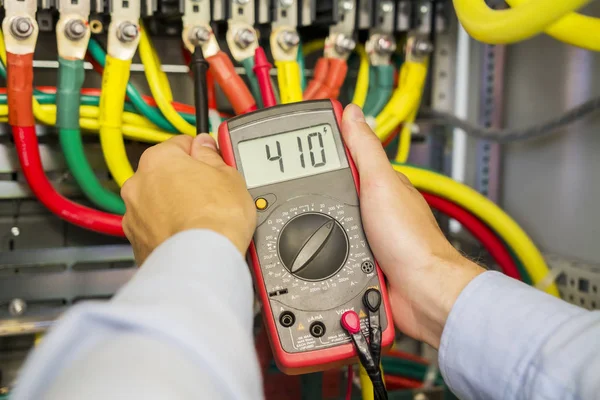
x=313, y=246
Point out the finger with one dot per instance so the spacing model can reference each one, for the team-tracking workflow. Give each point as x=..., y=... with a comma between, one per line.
x=204, y=149
x=180, y=142
x=365, y=147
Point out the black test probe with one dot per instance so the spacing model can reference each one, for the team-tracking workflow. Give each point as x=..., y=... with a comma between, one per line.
x=200, y=67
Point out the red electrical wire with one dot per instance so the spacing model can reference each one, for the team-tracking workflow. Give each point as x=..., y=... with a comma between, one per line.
x=479, y=230
x=20, y=92
x=349, y=384
x=29, y=158
x=395, y=382
x=262, y=69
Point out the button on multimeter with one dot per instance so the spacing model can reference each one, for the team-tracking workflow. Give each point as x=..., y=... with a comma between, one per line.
x=309, y=255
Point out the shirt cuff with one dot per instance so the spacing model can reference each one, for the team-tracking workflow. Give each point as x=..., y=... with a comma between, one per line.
x=494, y=330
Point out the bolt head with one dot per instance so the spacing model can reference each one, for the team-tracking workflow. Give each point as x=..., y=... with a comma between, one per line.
x=286, y=3
x=76, y=29
x=242, y=2
x=200, y=34
x=15, y=231
x=244, y=38
x=17, y=307
x=344, y=44
x=422, y=48
x=387, y=6
x=385, y=45
x=21, y=27
x=288, y=39
x=346, y=5
x=127, y=32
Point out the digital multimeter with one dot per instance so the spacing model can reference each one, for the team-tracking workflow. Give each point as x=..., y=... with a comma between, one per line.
x=310, y=258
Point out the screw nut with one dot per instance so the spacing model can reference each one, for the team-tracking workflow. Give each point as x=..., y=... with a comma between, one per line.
x=17, y=307
x=21, y=27
x=127, y=32
x=346, y=5
x=200, y=34
x=76, y=29
x=385, y=45
x=387, y=6
x=344, y=44
x=244, y=38
x=286, y=3
x=422, y=48
x=288, y=39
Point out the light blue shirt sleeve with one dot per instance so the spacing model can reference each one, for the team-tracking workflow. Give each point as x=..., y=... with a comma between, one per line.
x=506, y=340
x=180, y=329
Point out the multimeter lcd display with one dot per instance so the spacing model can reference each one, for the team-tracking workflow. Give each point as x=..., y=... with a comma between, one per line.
x=289, y=155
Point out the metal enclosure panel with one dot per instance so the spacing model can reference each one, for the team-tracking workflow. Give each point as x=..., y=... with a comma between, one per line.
x=552, y=186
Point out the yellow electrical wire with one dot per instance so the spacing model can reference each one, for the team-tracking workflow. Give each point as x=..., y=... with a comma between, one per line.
x=362, y=81
x=405, y=137
x=526, y=19
x=575, y=29
x=159, y=86
x=404, y=100
x=135, y=127
x=112, y=100
x=313, y=46
x=486, y=211
x=288, y=79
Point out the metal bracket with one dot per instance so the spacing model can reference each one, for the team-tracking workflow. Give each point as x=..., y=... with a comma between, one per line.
x=20, y=26
x=197, y=29
x=340, y=42
x=403, y=15
x=241, y=36
x=124, y=29
x=308, y=12
x=381, y=43
x=284, y=38
x=72, y=29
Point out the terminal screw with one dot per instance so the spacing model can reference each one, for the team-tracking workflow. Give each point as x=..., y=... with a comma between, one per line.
x=244, y=38
x=127, y=32
x=344, y=44
x=21, y=27
x=346, y=5
x=286, y=3
x=17, y=307
x=76, y=29
x=242, y=2
x=288, y=39
x=422, y=48
x=385, y=45
x=387, y=6
x=200, y=34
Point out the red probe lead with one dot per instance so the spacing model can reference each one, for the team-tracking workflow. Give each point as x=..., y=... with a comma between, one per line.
x=20, y=117
x=262, y=70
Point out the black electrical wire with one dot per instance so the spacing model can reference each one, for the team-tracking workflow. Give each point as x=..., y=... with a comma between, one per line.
x=372, y=301
x=200, y=66
x=427, y=115
x=352, y=326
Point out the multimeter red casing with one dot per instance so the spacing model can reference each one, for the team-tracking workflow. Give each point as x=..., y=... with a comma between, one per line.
x=296, y=350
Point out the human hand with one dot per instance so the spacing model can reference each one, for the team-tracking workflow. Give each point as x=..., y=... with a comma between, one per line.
x=184, y=184
x=425, y=272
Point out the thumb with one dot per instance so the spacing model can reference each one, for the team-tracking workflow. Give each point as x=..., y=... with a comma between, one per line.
x=365, y=147
x=204, y=149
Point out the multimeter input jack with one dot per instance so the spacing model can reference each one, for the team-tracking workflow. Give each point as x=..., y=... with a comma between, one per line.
x=287, y=319
x=317, y=329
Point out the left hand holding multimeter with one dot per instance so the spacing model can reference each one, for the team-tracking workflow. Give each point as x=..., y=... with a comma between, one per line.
x=319, y=284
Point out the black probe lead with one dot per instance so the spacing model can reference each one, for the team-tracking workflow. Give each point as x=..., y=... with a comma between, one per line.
x=372, y=301
x=200, y=66
x=351, y=323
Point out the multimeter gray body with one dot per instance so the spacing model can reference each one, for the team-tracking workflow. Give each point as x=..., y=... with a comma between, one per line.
x=310, y=257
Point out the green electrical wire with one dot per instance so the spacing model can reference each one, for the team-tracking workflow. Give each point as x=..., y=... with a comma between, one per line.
x=70, y=80
x=248, y=64
x=302, y=66
x=381, y=85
